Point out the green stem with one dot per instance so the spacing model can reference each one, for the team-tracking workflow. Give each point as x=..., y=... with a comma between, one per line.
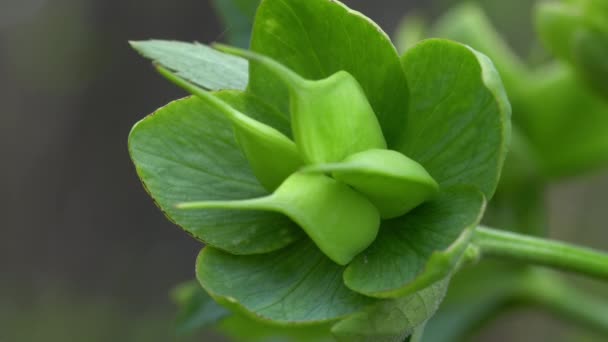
x=539, y=251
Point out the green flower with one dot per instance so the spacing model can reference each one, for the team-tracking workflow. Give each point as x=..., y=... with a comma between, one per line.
x=367, y=217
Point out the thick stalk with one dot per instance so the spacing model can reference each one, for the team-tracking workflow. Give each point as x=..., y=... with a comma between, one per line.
x=539, y=251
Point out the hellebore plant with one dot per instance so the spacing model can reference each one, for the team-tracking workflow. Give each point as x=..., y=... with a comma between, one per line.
x=336, y=185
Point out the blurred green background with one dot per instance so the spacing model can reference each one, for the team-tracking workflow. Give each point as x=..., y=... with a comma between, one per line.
x=84, y=253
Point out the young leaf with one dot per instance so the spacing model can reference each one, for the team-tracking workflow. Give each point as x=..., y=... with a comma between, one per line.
x=294, y=285
x=418, y=249
x=394, y=319
x=340, y=221
x=458, y=124
x=187, y=151
x=316, y=39
x=394, y=183
x=197, y=63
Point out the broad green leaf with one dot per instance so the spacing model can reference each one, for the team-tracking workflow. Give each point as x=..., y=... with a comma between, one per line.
x=458, y=125
x=394, y=319
x=186, y=151
x=197, y=310
x=237, y=17
x=569, y=127
x=197, y=63
x=418, y=249
x=317, y=38
x=295, y=285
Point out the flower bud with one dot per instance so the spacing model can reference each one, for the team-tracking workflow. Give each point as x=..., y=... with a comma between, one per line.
x=339, y=220
x=394, y=183
x=331, y=118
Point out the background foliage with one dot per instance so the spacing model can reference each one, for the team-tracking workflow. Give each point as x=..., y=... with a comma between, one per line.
x=83, y=253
